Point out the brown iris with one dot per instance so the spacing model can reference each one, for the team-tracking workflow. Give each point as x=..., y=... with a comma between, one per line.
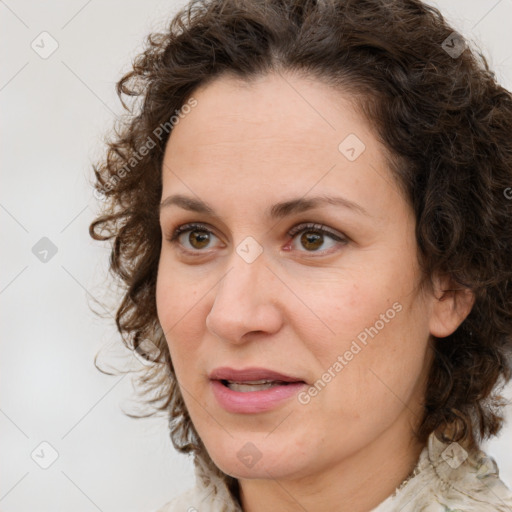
x=199, y=238
x=311, y=240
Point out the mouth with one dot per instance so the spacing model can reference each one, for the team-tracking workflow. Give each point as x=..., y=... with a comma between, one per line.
x=257, y=385
x=252, y=379
x=253, y=390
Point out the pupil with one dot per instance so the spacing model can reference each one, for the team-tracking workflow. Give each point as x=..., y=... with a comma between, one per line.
x=311, y=240
x=201, y=239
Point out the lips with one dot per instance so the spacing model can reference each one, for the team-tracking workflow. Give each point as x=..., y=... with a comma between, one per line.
x=253, y=390
x=248, y=375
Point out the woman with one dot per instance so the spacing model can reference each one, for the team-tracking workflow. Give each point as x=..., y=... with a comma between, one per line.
x=309, y=210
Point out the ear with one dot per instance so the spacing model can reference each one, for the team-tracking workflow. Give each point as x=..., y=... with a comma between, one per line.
x=451, y=304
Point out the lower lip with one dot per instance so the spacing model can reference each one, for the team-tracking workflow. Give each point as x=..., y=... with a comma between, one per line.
x=254, y=401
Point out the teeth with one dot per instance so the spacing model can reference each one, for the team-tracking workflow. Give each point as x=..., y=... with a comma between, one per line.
x=262, y=381
x=252, y=385
x=236, y=386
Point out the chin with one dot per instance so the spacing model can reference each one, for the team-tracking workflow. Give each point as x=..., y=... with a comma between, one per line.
x=260, y=471
x=255, y=460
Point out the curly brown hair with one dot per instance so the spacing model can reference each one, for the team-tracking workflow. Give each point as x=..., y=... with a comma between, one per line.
x=445, y=120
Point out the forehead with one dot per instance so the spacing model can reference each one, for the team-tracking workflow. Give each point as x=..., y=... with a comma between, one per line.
x=275, y=134
x=284, y=109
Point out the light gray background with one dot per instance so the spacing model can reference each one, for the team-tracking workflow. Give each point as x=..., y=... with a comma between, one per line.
x=54, y=114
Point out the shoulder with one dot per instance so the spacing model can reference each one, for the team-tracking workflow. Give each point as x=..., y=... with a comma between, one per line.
x=201, y=499
x=182, y=503
x=209, y=494
x=449, y=479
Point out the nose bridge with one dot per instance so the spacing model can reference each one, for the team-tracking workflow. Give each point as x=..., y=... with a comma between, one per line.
x=247, y=270
x=243, y=297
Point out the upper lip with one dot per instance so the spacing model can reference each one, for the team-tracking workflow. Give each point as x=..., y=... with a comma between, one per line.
x=250, y=374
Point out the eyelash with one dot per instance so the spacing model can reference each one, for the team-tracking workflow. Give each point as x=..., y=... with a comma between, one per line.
x=308, y=226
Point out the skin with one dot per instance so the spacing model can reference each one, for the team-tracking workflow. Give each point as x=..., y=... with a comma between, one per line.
x=297, y=306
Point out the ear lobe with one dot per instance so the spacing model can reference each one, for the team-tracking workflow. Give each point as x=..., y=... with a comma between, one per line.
x=450, y=306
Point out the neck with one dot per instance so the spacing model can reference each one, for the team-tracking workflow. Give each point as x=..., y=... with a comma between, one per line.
x=356, y=484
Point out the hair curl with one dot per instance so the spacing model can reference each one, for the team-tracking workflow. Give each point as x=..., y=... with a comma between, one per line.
x=445, y=120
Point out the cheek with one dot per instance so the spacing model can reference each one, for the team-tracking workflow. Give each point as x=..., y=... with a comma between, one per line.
x=373, y=298
x=345, y=307
x=379, y=327
x=383, y=365
x=180, y=292
x=179, y=301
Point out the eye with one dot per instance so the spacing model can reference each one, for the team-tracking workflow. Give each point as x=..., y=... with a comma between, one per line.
x=199, y=236
x=314, y=236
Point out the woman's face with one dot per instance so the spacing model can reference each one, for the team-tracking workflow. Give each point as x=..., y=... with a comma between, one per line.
x=339, y=308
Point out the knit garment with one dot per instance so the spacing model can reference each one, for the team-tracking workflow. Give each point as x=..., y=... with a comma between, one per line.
x=446, y=478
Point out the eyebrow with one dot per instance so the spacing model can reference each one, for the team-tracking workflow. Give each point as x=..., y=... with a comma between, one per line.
x=277, y=211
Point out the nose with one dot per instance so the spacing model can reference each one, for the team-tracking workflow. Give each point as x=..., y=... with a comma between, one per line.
x=246, y=302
